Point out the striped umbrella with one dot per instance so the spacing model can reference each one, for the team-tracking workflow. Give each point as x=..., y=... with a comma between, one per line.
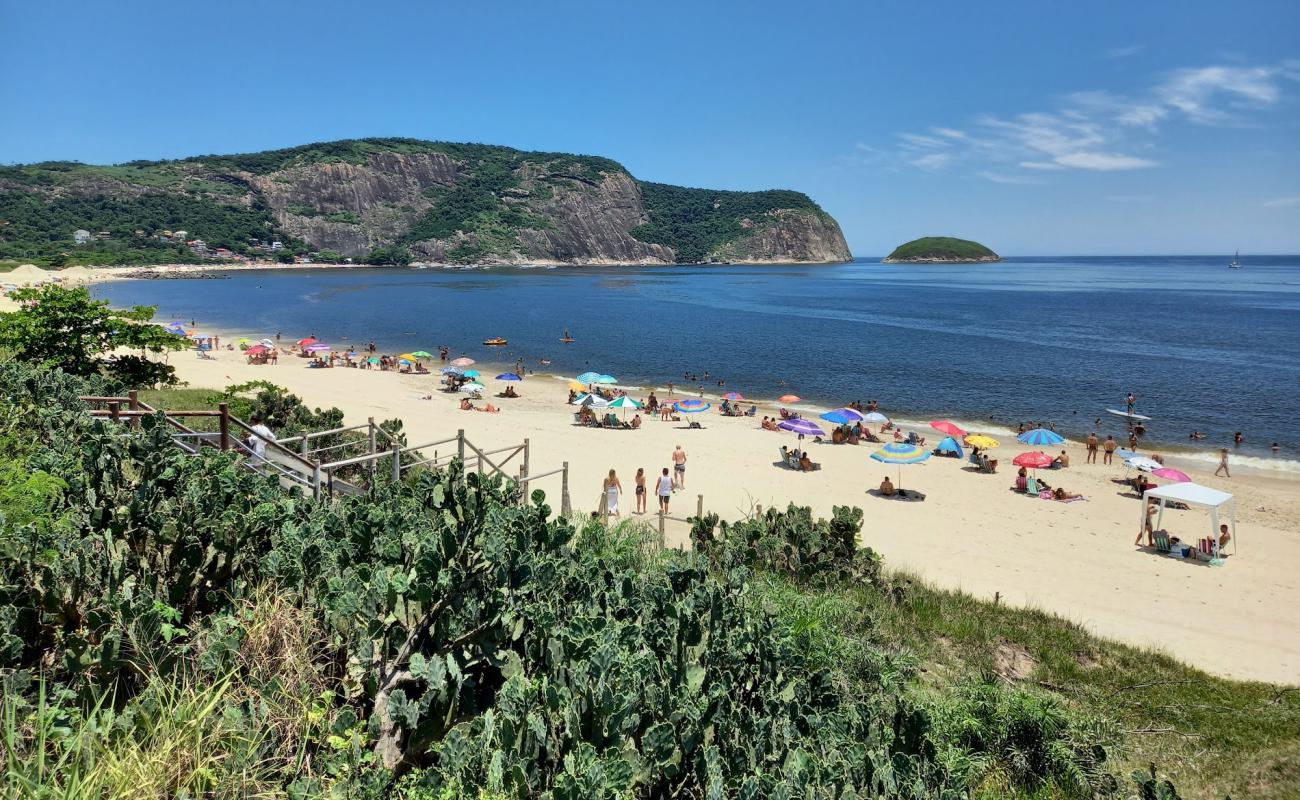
x=1040, y=437
x=587, y=377
x=624, y=402
x=733, y=396
x=800, y=426
x=901, y=453
x=606, y=379
x=692, y=406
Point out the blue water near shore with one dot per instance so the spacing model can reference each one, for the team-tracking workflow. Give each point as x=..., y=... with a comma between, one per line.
x=1058, y=339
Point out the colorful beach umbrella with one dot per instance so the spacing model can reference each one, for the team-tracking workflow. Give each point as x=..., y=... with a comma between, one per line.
x=256, y=350
x=733, y=396
x=316, y=348
x=605, y=379
x=874, y=416
x=1143, y=464
x=948, y=427
x=470, y=373
x=408, y=356
x=593, y=400
x=1171, y=474
x=800, y=426
x=587, y=377
x=175, y=327
x=575, y=386
x=307, y=341
x=462, y=362
x=842, y=416
x=624, y=402
x=1033, y=460
x=373, y=360
x=509, y=376
x=950, y=445
x=788, y=398
x=1125, y=453
x=982, y=442
x=1040, y=437
x=450, y=370
x=422, y=353
x=901, y=453
x=692, y=406
x=472, y=386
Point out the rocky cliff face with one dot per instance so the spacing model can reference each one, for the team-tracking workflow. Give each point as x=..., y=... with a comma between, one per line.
x=393, y=200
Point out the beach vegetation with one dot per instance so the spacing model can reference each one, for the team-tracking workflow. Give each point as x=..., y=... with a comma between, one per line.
x=695, y=223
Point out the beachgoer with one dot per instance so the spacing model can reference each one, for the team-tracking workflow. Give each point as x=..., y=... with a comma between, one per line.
x=664, y=488
x=1223, y=463
x=805, y=463
x=1022, y=480
x=1131, y=400
x=640, y=490
x=1148, y=522
x=636, y=422
x=261, y=435
x=1236, y=438
x=1063, y=460
x=887, y=487
x=1092, y=448
x=1109, y=446
x=612, y=488
x=1060, y=494
x=679, y=468
x=1132, y=441
x=1275, y=447
x=1224, y=536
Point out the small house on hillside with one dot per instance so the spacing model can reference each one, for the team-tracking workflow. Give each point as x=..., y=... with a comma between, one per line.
x=80, y=236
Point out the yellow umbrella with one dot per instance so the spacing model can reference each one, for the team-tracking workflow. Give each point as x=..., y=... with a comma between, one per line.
x=408, y=356
x=981, y=441
x=577, y=387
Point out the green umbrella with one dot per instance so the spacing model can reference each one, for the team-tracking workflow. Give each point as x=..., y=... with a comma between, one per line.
x=422, y=353
x=373, y=360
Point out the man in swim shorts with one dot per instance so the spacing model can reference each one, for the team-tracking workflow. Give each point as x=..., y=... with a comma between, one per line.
x=1109, y=446
x=1092, y=448
x=679, y=468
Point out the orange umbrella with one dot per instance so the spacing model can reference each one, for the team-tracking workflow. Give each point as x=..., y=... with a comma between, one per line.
x=788, y=398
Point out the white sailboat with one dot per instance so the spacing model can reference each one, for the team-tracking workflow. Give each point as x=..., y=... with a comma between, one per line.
x=1235, y=263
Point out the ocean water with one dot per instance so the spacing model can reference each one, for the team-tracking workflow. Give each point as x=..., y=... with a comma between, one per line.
x=1045, y=339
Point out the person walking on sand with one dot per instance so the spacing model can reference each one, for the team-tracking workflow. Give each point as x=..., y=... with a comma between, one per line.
x=612, y=490
x=1148, y=523
x=1109, y=447
x=1092, y=448
x=1223, y=463
x=258, y=439
x=640, y=490
x=664, y=488
x=679, y=468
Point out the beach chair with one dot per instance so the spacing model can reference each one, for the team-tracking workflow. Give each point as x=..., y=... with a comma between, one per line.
x=1031, y=487
x=1162, y=542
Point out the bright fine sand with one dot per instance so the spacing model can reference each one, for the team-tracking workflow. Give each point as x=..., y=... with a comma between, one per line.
x=971, y=533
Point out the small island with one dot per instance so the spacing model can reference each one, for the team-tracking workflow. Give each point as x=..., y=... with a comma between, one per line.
x=941, y=250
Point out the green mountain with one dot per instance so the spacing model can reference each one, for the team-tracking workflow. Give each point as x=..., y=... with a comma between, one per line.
x=396, y=201
x=931, y=249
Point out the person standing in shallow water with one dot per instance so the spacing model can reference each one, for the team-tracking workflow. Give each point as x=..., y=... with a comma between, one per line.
x=1092, y=448
x=1223, y=463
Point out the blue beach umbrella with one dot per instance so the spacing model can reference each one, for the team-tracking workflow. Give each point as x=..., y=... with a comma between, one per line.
x=450, y=370
x=800, y=426
x=509, y=376
x=842, y=416
x=901, y=453
x=1125, y=453
x=175, y=327
x=605, y=379
x=951, y=445
x=588, y=377
x=470, y=373
x=1040, y=437
x=692, y=406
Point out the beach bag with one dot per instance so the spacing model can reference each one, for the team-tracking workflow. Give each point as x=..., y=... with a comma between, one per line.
x=1207, y=545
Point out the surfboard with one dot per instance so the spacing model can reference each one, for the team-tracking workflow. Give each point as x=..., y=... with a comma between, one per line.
x=1127, y=415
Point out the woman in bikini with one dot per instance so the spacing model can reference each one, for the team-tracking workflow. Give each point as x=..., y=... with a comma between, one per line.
x=640, y=490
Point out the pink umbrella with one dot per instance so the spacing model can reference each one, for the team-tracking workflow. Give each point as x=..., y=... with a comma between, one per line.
x=462, y=362
x=733, y=396
x=947, y=427
x=1169, y=473
x=1034, y=460
x=316, y=348
x=256, y=350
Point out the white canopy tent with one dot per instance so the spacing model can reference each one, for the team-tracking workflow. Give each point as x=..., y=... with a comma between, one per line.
x=1197, y=496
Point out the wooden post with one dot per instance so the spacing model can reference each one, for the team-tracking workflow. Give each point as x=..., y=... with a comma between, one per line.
x=302, y=445
x=133, y=402
x=523, y=492
x=397, y=463
x=460, y=450
x=114, y=411
x=373, y=450
x=699, y=507
x=663, y=541
x=564, y=491
x=524, y=472
x=315, y=481
x=225, y=425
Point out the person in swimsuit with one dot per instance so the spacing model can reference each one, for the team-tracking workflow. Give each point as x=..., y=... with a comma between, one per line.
x=612, y=490
x=679, y=468
x=1148, y=523
x=1092, y=448
x=640, y=490
x=1109, y=447
x=1223, y=463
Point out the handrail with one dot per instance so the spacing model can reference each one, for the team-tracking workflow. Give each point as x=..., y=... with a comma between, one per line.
x=317, y=434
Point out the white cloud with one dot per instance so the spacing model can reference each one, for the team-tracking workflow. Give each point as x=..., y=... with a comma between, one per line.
x=998, y=177
x=1124, y=52
x=932, y=162
x=1281, y=202
x=1099, y=131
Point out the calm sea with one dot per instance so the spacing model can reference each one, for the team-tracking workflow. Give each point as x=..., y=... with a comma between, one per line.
x=1057, y=339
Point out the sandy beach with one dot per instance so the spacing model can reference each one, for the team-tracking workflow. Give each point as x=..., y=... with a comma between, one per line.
x=970, y=533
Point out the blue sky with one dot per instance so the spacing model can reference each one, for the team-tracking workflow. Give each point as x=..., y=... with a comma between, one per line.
x=1151, y=127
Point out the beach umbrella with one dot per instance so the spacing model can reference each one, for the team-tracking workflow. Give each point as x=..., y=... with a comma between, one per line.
x=1171, y=474
x=268, y=343
x=1040, y=437
x=450, y=371
x=509, y=376
x=1143, y=464
x=373, y=360
x=462, y=362
x=981, y=441
x=587, y=377
x=946, y=426
x=256, y=350
x=307, y=341
x=692, y=406
x=471, y=373
x=800, y=426
x=842, y=416
x=901, y=453
x=593, y=400
x=605, y=379
x=317, y=348
x=624, y=402
x=950, y=445
x=733, y=396
x=407, y=356
x=1125, y=454
x=575, y=386
x=405, y=361
x=874, y=416
x=472, y=386
x=788, y=398
x=1033, y=460
x=175, y=327
x=422, y=354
